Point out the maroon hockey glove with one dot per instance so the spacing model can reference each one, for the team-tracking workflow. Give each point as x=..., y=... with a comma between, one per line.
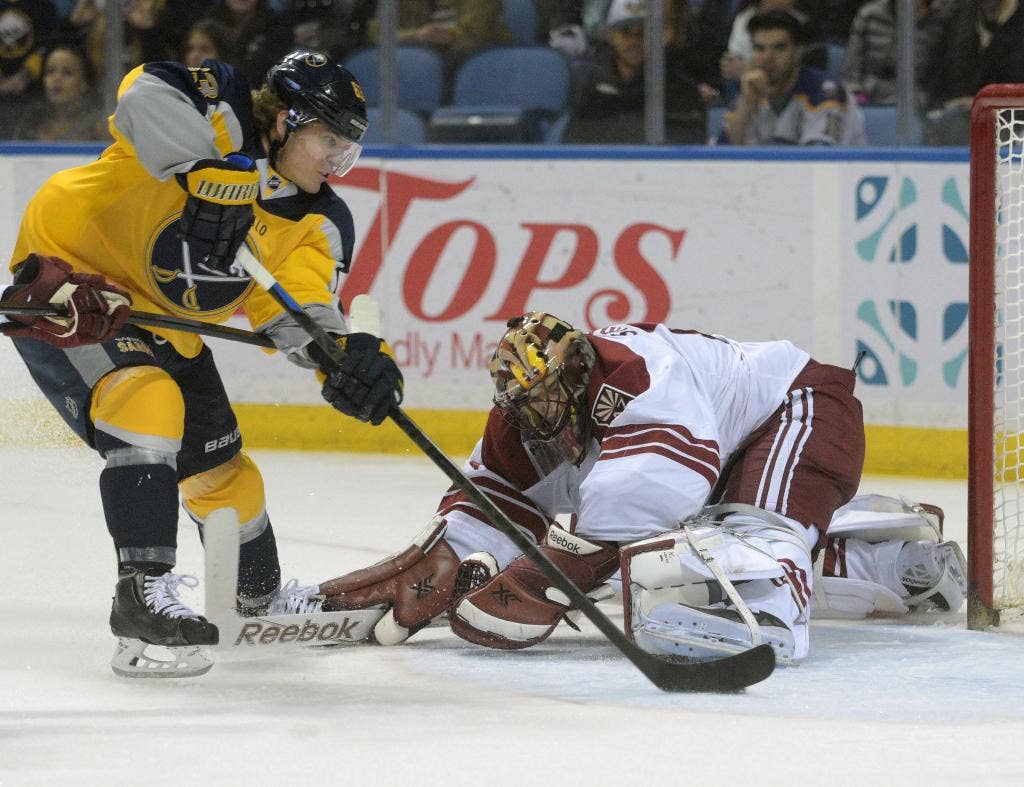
x=520, y=607
x=95, y=308
x=417, y=585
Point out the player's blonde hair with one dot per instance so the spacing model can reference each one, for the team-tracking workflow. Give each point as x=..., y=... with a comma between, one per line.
x=265, y=107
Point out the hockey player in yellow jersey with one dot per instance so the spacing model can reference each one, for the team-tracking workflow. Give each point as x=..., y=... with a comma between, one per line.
x=199, y=165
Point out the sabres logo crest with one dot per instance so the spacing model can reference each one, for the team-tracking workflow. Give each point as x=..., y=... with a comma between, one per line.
x=206, y=83
x=185, y=284
x=608, y=404
x=315, y=60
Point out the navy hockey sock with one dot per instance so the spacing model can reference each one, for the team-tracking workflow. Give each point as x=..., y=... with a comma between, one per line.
x=140, y=503
x=259, y=571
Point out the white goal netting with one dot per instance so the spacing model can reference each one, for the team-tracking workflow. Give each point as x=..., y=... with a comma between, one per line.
x=1008, y=515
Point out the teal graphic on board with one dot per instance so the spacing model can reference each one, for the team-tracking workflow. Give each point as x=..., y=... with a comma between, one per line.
x=914, y=240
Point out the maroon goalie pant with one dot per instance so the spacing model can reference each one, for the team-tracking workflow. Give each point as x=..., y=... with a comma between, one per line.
x=805, y=460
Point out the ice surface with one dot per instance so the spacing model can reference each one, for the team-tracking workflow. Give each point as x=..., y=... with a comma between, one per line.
x=920, y=701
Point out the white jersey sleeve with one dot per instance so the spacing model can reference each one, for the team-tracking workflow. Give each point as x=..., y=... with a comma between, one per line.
x=669, y=410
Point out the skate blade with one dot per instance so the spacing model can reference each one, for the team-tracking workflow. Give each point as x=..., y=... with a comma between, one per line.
x=134, y=658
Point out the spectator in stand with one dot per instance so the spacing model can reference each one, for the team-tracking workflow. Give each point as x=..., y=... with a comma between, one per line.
x=560, y=24
x=25, y=27
x=782, y=102
x=611, y=108
x=981, y=44
x=69, y=109
x=207, y=39
x=869, y=68
x=334, y=26
x=738, y=57
x=257, y=36
x=153, y=30
x=456, y=28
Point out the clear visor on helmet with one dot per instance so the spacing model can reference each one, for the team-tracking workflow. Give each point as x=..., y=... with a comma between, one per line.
x=335, y=152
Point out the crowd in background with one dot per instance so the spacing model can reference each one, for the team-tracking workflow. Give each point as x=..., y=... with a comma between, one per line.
x=52, y=53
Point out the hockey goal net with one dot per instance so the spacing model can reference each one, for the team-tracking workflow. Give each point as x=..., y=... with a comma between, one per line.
x=995, y=540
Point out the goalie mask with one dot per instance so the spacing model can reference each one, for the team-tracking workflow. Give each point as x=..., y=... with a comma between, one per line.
x=540, y=371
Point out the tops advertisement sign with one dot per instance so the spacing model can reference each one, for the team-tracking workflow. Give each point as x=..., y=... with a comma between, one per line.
x=838, y=256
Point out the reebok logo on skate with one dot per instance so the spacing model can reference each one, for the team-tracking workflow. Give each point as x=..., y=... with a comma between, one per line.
x=259, y=633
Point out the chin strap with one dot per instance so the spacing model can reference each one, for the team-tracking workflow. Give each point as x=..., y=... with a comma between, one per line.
x=274, y=147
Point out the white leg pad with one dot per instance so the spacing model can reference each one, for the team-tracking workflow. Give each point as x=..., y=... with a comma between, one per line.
x=673, y=604
x=692, y=632
x=875, y=518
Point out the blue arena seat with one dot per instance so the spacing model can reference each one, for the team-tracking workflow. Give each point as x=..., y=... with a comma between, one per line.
x=409, y=128
x=420, y=76
x=505, y=94
x=521, y=20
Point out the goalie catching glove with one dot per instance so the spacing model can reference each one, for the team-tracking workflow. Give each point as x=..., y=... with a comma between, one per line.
x=94, y=308
x=218, y=211
x=520, y=607
x=366, y=384
x=418, y=584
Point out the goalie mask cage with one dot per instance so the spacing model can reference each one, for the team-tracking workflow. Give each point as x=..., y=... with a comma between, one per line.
x=995, y=498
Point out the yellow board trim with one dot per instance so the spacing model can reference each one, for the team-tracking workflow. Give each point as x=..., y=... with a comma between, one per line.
x=891, y=450
x=319, y=428
x=910, y=451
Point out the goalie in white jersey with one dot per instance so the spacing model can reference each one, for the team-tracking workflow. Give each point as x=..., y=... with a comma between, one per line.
x=702, y=475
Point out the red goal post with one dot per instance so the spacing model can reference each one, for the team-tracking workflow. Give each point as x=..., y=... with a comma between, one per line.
x=995, y=497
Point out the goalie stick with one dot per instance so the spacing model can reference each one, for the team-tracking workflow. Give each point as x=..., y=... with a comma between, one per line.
x=731, y=673
x=264, y=634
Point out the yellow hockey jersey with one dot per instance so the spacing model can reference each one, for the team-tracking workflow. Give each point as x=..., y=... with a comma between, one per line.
x=118, y=216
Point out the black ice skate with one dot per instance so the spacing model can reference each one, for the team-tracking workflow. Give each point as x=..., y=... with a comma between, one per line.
x=147, y=612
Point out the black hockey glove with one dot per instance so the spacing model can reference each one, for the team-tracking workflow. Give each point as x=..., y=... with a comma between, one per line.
x=367, y=382
x=218, y=211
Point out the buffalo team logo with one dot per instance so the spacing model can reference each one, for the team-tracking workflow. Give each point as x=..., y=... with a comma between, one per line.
x=186, y=284
x=316, y=60
x=206, y=83
x=608, y=404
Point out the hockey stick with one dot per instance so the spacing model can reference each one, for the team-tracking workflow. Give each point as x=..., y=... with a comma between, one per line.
x=146, y=319
x=263, y=634
x=731, y=673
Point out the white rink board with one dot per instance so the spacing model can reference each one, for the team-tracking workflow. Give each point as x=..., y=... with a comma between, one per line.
x=754, y=249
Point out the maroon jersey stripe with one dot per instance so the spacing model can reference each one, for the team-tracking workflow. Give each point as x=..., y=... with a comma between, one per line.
x=710, y=474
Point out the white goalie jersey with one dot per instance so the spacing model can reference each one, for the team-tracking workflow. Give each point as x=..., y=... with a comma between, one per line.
x=667, y=410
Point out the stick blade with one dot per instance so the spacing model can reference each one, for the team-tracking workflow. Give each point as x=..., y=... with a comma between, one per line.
x=725, y=675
